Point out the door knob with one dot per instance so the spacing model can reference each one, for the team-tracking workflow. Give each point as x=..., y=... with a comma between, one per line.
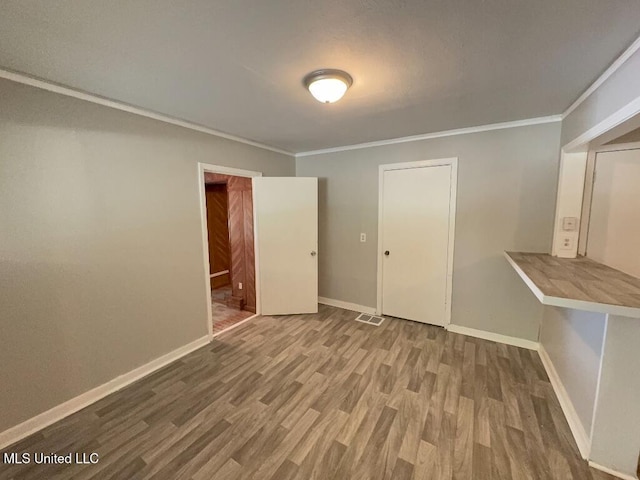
x=313, y=253
x=386, y=252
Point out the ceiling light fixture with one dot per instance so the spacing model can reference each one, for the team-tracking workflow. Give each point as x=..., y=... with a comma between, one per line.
x=328, y=85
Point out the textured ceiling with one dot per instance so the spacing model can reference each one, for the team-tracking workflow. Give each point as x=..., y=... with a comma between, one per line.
x=419, y=66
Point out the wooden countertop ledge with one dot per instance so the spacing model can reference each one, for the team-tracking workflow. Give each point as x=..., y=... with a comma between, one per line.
x=578, y=283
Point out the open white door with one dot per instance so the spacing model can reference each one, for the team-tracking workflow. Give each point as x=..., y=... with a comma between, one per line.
x=286, y=211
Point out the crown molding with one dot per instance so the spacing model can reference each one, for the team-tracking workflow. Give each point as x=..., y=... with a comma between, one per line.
x=429, y=136
x=82, y=95
x=633, y=48
x=125, y=107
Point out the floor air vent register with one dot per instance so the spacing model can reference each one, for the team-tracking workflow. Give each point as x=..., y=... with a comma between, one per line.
x=370, y=319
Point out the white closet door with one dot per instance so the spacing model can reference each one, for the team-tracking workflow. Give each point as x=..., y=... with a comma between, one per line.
x=415, y=243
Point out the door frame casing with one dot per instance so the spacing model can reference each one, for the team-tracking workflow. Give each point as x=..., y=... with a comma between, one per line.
x=236, y=172
x=587, y=197
x=453, y=162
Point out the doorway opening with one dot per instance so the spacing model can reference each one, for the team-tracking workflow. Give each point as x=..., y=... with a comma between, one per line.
x=228, y=228
x=610, y=221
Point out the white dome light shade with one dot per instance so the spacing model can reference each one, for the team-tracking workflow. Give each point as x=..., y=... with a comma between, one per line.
x=328, y=86
x=328, y=90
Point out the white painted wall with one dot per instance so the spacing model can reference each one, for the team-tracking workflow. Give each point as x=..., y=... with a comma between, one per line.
x=573, y=340
x=614, y=224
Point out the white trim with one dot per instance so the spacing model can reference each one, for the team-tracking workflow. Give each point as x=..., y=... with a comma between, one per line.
x=205, y=248
x=202, y=169
x=219, y=274
x=617, y=147
x=453, y=162
x=236, y=172
x=453, y=195
x=235, y=325
x=587, y=195
x=603, y=78
x=26, y=428
x=494, y=337
x=630, y=110
x=577, y=429
x=125, y=107
x=599, y=381
x=256, y=249
x=429, y=136
x=571, y=175
x=347, y=305
x=569, y=302
x=379, y=246
x=611, y=471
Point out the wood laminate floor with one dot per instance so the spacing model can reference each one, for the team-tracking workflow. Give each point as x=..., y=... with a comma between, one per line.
x=324, y=397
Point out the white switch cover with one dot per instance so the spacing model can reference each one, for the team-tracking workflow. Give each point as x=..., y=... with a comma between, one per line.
x=569, y=224
x=240, y=285
x=363, y=237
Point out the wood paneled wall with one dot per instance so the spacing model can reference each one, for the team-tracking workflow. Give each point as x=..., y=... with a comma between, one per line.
x=240, y=232
x=218, y=230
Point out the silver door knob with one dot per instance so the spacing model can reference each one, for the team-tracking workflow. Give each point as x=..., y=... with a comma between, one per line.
x=313, y=253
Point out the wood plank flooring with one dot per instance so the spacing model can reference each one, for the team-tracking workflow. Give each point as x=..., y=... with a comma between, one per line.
x=325, y=397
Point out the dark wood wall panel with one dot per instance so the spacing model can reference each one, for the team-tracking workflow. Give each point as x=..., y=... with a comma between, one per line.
x=240, y=236
x=218, y=232
x=249, y=252
x=236, y=242
x=221, y=281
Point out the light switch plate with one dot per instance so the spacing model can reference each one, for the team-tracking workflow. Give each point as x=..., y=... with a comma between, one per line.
x=363, y=237
x=569, y=224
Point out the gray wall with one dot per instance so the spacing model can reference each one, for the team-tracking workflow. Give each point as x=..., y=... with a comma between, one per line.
x=617, y=91
x=506, y=198
x=616, y=432
x=100, y=243
x=616, y=437
x=631, y=137
x=573, y=339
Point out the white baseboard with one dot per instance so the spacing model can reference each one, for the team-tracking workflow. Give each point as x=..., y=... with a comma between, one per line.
x=347, y=306
x=624, y=476
x=495, y=337
x=26, y=428
x=577, y=429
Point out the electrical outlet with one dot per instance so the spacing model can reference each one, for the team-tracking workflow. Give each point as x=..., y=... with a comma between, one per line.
x=566, y=243
x=240, y=285
x=363, y=237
